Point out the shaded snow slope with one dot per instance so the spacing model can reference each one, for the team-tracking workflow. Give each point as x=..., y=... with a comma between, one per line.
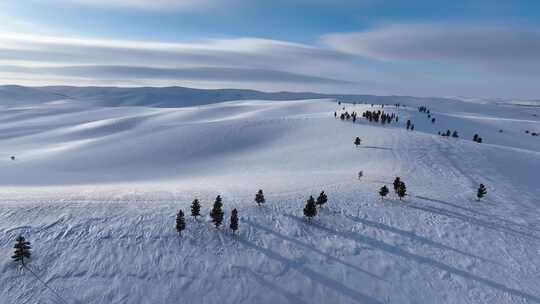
x=96, y=190
x=172, y=97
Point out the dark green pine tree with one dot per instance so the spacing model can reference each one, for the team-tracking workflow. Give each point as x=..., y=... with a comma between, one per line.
x=482, y=191
x=195, y=208
x=234, y=220
x=383, y=191
x=397, y=181
x=22, y=250
x=322, y=199
x=217, y=212
x=259, y=197
x=180, y=222
x=402, y=190
x=357, y=141
x=310, y=210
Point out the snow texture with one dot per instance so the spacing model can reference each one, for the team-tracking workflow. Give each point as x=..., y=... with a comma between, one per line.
x=99, y=174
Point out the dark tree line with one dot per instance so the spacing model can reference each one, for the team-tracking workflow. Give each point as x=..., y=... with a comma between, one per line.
x=380, y=116
x=449, y=133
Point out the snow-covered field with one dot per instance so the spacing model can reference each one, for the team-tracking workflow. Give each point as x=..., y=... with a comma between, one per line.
x=96, y=187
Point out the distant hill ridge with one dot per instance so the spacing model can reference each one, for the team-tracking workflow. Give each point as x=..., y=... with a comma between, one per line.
x=171, y=96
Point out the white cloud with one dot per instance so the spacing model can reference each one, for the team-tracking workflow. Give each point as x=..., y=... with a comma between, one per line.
x=231, y=61
x=503, y=48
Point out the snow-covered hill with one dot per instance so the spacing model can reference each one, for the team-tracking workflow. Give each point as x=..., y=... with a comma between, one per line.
x=95, y=187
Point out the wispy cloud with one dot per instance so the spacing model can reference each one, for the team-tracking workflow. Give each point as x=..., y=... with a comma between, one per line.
x=507, y=49
x=150, y=4
x=229, y=61
x=204, y=74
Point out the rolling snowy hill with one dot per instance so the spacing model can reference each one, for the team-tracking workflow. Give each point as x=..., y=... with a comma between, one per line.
x=99, y=174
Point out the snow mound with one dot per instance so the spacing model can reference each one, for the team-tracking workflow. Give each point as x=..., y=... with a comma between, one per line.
x=95, y=187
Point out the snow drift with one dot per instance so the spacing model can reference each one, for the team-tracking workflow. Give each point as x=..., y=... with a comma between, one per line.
x=95, y=186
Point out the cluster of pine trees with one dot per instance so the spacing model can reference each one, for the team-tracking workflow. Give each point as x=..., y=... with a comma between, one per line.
x=424, y=109
x=347, y=116
x=477, y=138
x=310, y=210
x=216, y=214
x=532, y=133
x=380, y=116
x=448, y=133
x=399, y=188
x=410, y=125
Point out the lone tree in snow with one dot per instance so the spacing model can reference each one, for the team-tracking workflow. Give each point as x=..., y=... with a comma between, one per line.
x=455, y=134
x=180, y=222
x=357, y=141
x=310, y=210
x=259, y=197
x=22, y=250
x=217, y=212
x=402, y=190
x=195, y=208
x=322, y=199
x=234, y=220
x=383, y=191
x=482, y=191
x=397, y=181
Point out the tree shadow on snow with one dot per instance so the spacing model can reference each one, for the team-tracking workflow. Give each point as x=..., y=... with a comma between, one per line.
x=375, y=147
x=311, y=274
x=416, y=237
x=291, y=297
x=470, y=219
x=311, y=248
x=397, y=251
x=508, y=222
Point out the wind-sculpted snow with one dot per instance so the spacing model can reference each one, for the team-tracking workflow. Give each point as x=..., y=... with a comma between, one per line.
x=96, y=190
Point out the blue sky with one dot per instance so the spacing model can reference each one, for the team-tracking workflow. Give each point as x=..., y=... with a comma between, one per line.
x=435, y=48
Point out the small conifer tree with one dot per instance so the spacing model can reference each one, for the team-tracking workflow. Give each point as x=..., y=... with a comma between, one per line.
x=234, y=220
x=322, y=199
x=180, y=222
x=402, y=190
x=357, y=141
x=217, y=212
x=22, y=250
x=397, y=181
x=383, y=191
x=195, y=208
x=310, y=210
x=482, y=191
x=259, y=197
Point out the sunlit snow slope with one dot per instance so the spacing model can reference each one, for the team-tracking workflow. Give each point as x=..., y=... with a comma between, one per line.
x=96, y=188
